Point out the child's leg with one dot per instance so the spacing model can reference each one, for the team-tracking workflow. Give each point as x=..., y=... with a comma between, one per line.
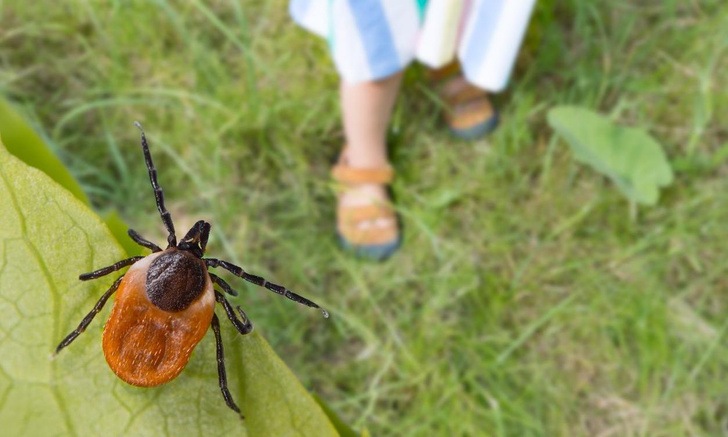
x=366, y=111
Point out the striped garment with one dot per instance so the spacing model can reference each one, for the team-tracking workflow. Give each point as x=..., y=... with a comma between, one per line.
x=373, y=39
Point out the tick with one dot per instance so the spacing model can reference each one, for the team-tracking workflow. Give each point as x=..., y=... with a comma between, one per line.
x=165, y=303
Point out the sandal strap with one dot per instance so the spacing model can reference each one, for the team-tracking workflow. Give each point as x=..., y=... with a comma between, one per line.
x=452, y=86
x=457, y=92
x=446, y=72
x=356, y=214
x=372, y=236
x=469, y=114
x=351, y=217
x=351, y=175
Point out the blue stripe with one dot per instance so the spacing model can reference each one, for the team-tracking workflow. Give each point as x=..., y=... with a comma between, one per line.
x=298, y=8
x=483, y=29
x=376, y=37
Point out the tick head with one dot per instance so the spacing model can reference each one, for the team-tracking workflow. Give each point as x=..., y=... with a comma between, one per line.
x=196, y=239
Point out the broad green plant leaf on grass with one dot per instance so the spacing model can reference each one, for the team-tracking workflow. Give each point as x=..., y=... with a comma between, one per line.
x=23, y=142
x=48, y=237
x=630, y=157
x=342, y=428
x=118, y=229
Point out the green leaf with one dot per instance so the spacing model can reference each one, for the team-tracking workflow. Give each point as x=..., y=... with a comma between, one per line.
x=630, y=157
x=23, y=142
x=119, y=229
x=48, y=238
x=273, y=401
x=342, y=428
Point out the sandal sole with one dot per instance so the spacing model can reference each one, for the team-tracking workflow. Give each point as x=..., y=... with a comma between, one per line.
x=479, y=130
x=375, y=252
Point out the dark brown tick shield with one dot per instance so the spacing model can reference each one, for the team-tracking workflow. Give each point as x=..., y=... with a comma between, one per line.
x=165, y=303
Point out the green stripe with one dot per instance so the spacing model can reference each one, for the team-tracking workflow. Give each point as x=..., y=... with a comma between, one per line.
x=421, y=5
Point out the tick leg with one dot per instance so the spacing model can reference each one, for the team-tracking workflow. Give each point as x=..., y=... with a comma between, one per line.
x=138, y=239
x=112, y=268
x=243, y=326
x=224, y=285
x=90, y=316
x=222, y=376
x=257, y=280
x=158, y=194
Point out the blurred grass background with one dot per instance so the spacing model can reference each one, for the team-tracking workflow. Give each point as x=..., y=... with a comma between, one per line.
x=525, y=300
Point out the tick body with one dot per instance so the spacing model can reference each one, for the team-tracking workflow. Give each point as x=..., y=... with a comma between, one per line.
x=165, y=303
x=157, y=320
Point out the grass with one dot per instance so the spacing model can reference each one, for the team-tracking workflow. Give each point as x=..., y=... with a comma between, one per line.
x=525, y=300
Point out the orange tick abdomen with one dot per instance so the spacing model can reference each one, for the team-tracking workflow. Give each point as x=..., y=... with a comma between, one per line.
x=145, y=345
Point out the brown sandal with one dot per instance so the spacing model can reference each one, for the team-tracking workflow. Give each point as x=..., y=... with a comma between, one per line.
x=470, y=115
x=375, y=242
